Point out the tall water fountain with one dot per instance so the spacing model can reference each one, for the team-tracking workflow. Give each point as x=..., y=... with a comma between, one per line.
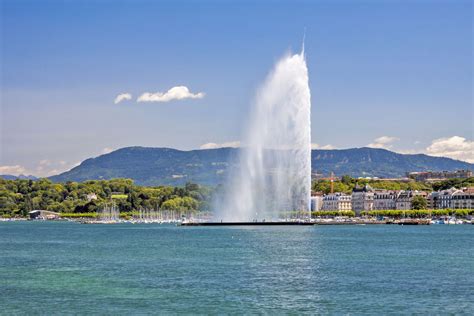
x=274, y=174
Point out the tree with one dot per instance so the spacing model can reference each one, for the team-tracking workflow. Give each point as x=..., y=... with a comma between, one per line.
x=346, y=179
x=20, y=196
x=419, y=203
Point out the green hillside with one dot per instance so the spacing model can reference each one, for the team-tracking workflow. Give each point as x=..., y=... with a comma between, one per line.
x=165, y=166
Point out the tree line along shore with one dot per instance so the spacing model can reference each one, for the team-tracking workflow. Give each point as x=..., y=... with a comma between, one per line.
x=85, y=199
x=19, y=197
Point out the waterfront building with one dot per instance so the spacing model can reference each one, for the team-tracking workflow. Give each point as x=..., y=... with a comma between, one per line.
x=405, y=198
x=337, y=202
x=439, y=175
x=441, y=199
x=43, y=214
x=385, y=199
x=362, y=199
x=431, y=200
x=463, y=199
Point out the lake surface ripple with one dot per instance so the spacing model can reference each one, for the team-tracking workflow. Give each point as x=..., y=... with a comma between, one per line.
x=69, y=268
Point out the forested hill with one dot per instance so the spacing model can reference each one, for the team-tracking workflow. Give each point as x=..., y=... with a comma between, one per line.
x=155, y=166
x=165, y=166
x=382, y=163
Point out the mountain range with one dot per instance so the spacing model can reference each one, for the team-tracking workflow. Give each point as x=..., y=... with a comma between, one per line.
x=166, y=166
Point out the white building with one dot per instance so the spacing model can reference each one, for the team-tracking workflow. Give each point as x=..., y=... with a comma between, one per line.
x=337, y=202
x=405, y=198
x=362, y=199
x=463, y=199
x=385, y=200
x=441, y=199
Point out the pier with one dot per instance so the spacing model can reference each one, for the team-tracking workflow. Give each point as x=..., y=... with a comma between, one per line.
x=313, y=223
x=283, y=223
x=247, y=224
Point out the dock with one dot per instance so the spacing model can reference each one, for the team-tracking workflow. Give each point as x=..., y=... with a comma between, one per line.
x=247, y=224
x=282, y=223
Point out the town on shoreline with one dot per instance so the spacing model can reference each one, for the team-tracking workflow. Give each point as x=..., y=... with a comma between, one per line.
x=421, y=198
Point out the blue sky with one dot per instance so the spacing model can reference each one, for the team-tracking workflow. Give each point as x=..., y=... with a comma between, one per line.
x=390, y=74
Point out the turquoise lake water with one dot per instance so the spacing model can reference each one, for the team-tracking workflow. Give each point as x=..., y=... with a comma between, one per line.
x=62, y=267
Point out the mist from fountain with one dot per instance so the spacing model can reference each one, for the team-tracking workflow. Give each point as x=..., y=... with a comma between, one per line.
x=273, y=178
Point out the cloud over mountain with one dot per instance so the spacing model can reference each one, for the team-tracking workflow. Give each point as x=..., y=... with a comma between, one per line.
x=15, y=170
x=455, y=147
x=317, y=146
x=233, y=144
x=383, y=142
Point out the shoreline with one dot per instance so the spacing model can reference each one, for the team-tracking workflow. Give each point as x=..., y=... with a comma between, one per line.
x=313, y=222
x=306, y=223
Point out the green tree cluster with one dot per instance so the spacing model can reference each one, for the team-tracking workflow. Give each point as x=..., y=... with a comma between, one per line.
x=332, y=213
x=419, y=213
x=456, y=183
x=18, y=197
x=347, y=183
x=419, y=203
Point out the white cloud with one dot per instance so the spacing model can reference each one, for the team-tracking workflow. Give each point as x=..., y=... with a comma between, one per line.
x=44, y=168
x=317, y=146
x=107, y=150
x=408, y=151
x=233, y=144
x=45, y=162
x=383, y=142
x=455, y=147
x=175, y=93
x=47, y=168
x=122, y=97
x=12, y=170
